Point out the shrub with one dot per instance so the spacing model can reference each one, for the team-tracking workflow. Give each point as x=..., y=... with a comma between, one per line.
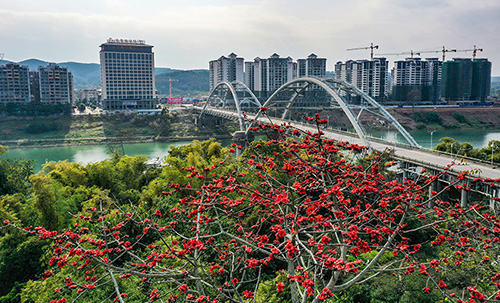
x=460, y=118
x=40, y=127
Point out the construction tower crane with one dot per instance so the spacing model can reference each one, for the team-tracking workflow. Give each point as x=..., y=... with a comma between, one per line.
x=411, y=53
x=444, y=51
x=171, y=80
x=371, y=47
x=474, y=51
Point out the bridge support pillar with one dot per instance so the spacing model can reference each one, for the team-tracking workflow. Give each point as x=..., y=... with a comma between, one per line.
x=495, y=194
x=464, y=198
x=433, y=189
x=243, y=140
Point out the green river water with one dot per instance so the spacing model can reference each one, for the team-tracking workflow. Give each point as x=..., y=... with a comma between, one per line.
x=86, y=154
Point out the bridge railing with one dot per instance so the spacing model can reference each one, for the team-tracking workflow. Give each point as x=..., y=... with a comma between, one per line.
x=470, y=159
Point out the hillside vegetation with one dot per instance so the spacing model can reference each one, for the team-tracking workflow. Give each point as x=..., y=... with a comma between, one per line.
x=188, y=84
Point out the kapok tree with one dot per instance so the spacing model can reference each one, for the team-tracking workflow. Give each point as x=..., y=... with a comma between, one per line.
x=300, y=215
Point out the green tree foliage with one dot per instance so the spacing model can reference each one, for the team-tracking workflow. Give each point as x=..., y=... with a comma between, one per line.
x=450, y=145
x=189, y=83
x=21, y=260
x=73, y=197
x=427, y=118
x=34, y=109
x=459, y=117
x=199, y=155
x=38, y=128
x=45, y=200
x=14, y=174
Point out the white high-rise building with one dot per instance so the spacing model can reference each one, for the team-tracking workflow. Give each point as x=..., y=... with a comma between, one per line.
x=127, y=75
x=313, y=96
x=255, y=75
x=312, y=67
x=279, y=71
x=369, y=76
x=264, y=76
x=226, y=69
x=414, y=79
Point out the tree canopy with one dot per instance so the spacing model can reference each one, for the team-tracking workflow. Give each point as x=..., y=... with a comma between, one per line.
x=292, y=220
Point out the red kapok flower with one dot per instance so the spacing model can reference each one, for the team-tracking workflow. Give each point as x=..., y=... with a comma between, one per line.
x=280, y=286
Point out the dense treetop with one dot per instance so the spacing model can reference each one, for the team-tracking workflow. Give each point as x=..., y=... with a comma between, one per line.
x=292, y=220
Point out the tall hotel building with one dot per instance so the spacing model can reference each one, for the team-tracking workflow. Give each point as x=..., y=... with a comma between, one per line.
x=127, y=75
x=14, y=84
x=228, y=69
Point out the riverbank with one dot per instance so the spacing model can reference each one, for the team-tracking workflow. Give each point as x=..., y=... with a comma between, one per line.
x=449, y=117
x=424, y=118
x=81, y=130
x=26, y=144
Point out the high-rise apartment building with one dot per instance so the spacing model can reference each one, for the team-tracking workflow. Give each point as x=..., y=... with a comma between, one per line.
x=255, y=76
x=279, y=71
x=14, y=83
x=313, y=96
x=265, y=76
x=349, y=72
x=434, y=78
x=369, y=76
x=466, y=79
x=481, y=79
x=127, y=75
x=312, y=67
x=226, y=69
x=415, y=80
x=55, y=84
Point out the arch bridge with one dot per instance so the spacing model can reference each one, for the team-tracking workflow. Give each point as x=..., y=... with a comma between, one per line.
x=228, y=100
x=236, y=96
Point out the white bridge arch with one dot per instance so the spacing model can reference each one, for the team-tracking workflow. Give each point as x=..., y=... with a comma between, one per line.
x=336, y=89
x=225, y=89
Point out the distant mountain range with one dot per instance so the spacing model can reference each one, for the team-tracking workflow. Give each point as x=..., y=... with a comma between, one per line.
x=88, y=75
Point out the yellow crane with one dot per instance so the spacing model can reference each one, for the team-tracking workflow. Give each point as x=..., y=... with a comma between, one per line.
x=473, y=50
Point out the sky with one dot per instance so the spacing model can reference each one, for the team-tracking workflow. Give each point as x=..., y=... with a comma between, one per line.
x=187, y=34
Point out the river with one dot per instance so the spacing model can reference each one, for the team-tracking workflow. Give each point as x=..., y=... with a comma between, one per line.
x=86, y=154
x=477, y=137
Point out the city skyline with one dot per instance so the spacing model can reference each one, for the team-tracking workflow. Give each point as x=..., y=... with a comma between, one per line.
x=188, y=34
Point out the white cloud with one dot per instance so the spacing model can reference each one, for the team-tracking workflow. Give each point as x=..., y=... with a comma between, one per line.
x=187, y=34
